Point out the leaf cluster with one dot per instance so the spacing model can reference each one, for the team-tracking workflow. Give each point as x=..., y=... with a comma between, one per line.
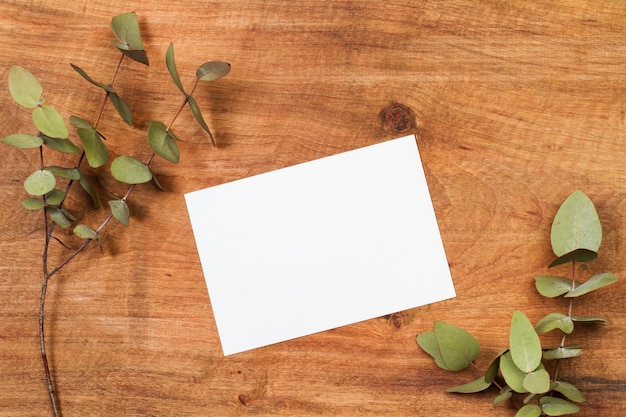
x=520, y=368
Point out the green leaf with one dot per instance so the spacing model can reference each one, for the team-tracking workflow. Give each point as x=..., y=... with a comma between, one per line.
x=62, y=172
x=23, y=140
x=553, y=406
x=86, y=232
x=568, y=390
x=61, y=145
x=549, y=286
x=213, y=70
x=50, y=122
x=155, y=182
x=428, y=343
x=95, y=149
x=458, y=348
x=476, y=385
x=59, y=216
x=585, y=319
x=83, y=74
x=576, y=226
x=195, y=109
x=120, y=211
x=524, y=343
x=555, y=321
x=171, y=67
x=55, y=197
x=504, y=395
x=578, y=255
x=537, y=382
x=125, y=27
x=595, y=282
x=513, y=376
x=40, y=182
x=84, y=183
x=562, y=353
x=80, y=123
x=33, y=204
x=122, y=108
x=529, y=410
x=162, y=143
x=127, y=169
x=24, y=87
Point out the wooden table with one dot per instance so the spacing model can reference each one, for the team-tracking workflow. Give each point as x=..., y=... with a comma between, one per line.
x=514, y=104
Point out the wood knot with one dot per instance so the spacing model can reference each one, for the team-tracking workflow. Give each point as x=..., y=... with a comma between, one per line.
x=397, y=118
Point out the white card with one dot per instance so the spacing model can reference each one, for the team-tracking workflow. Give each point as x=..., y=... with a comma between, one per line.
x=319, y=245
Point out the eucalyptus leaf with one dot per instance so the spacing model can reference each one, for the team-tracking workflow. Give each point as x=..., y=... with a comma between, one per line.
x=58, y=216
x=568, y=390
x=122, y=108
x=84, y=183
x=428, y=343
x=555, y=321
x=33, y=203
x=578, y=255
x=586, y=319
x=562, y=353
x=513, y=376
x=24, y=87
x=50, y=122
x=62, y=172
x=61, y=145
x=524, y=343
x=477, y=385
x=171, y=67
x=105, y=87
x=504, y=395
x=80, y=123
x=576, y=226
x=212, y=70
x=125, y=27
x=127, y=169
x=39, y=182
x=161, y=142
x=595, y=282
x=549, y=286
x=458, y=348
x=553, y=406
x=120, y=211
x=55, y=197
x=529, y=410
x=537, y=382
x=86, y=232
x=23, y=140
x=155, y=182
x=195, y=110
x=95, y=150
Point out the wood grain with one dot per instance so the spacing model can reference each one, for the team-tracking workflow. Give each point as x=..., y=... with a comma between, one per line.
x=515, y=105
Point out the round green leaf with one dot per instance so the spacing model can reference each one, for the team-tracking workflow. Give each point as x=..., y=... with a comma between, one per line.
x=120, y=211
x=562, y=353
x=127, y=169
x=592, y=284
x=576, y=226
x=49, y=122
x=40, y=182
x=80, y=123
x=504, y=395
x=86, y=232
x=578, y=255
x=529, y=410
x=161, y=142
x=23, y=140
x=95, y=149
x=524, y=343
x=428, y=343
x=568, y=390
x=33, y=204
x=24, y=87
x=458, y=348
x=555, y=321
x=125, y=27
x=61, y=145
x=55, y=197
x=537, y=382
x=477, y=385
x=553, y=406
x=513, y=376
x=553, y=286
x=213, y=70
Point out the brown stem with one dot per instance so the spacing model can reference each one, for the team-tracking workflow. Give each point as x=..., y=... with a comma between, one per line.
x=569, y=314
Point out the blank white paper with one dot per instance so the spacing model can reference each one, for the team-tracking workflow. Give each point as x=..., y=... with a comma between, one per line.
x=319, y=245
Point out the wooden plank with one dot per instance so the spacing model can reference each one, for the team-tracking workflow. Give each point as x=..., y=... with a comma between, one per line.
x=515, y=105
